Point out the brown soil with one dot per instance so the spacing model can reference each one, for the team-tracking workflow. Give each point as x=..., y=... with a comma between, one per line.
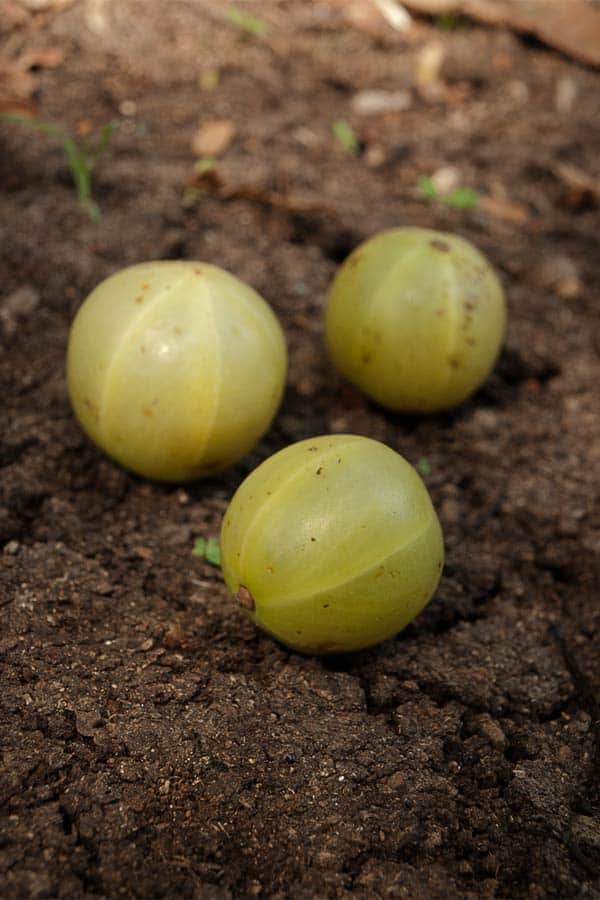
x=156, y=745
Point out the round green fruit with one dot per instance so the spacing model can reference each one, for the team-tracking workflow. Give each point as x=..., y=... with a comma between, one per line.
x=332, y=544
x=415, y=318
x=175, y=369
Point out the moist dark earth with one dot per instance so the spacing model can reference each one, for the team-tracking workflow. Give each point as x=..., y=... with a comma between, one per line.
x=154, y=743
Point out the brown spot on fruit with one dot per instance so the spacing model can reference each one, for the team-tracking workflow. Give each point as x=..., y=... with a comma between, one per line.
x=245, y=598
x=139, y=298
x=440, y=245
x=146, y=411
x=319, y=470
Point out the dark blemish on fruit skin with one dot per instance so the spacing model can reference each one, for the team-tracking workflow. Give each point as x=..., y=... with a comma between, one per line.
x=245, y=598
x=198, y=271
x=312, y=449
x=440, y=245
x=454, y=362
x=139, y=298
x=326, y=606
x=319, y=470
x=145, y=286
x=142, y=349
x=313, y=538
x=146, y=411
x=366, y=358
x=471, y=341
x=440, y=312
x=177, y=330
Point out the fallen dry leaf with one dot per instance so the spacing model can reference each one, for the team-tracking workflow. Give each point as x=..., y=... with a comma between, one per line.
x=560, y=275
x=378, y=18
x=42, y=58
x=428, y=74
x=581, y=189
x=12, y=15
x=571, y=26
x=369, y=103
x=505, y=210
x=213, y=138
x=16, y=88
x=43, y=5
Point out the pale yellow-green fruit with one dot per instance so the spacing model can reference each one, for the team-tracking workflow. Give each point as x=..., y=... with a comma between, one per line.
x=415, y=318
x=332, y=544
x=175, y=369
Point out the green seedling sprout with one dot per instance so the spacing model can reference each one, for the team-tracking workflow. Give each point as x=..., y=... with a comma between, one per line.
x=460, y=198
x=246, y=22
x=345, y=135
x=423, y=467
x=208, y=549
x=81, y=158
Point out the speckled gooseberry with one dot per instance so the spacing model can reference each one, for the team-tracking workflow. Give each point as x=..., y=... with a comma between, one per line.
x=175, y=369
x=415, y=318
x=332, y=544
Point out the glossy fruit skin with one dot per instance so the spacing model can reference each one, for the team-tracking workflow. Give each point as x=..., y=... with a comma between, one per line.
x=332, y=544
x=175, y=369
x=415, y=318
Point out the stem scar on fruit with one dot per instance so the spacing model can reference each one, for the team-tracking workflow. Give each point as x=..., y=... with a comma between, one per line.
x=245, y=598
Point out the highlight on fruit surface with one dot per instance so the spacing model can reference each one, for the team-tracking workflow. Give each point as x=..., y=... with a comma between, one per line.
x=415, y=318
x=175, y=369
x=332, y=544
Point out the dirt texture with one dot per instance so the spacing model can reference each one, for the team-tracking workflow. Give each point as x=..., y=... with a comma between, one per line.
x=154, y=743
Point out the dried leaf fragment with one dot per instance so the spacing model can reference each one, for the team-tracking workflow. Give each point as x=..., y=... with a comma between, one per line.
x=213, y=138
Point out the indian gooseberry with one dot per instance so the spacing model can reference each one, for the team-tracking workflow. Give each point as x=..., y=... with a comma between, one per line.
x=175, y=369
x=415, y=318
x=332, y=544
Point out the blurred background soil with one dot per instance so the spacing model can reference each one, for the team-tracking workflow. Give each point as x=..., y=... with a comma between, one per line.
x=154, y=744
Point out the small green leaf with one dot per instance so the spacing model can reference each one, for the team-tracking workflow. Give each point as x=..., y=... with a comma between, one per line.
x=427, y=188
x=246, y=22
x=462, y=198
x=345, y=135
x=424, y=467
x=209, y=549
x=213, y=552
x=204, y=165
x=199, y=548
